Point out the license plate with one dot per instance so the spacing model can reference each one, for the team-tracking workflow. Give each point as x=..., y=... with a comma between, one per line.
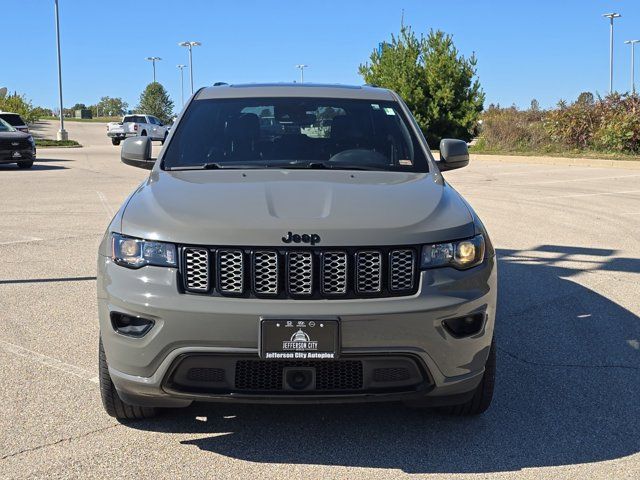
x=299, y=339
x=17, y=155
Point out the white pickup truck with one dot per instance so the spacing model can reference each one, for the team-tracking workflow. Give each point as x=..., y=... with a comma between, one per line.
x=137, y=125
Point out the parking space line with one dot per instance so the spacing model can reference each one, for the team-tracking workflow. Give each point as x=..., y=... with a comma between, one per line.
x=105, y=205
x=48, y=361
x=625, y=192
x=26, y=240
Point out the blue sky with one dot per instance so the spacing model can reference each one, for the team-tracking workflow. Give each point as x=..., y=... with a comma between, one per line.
x=526, y=49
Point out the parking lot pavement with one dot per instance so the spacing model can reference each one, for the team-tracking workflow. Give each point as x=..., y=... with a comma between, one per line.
x=568, y=330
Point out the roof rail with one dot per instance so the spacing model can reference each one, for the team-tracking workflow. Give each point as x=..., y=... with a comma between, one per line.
x=219, y=84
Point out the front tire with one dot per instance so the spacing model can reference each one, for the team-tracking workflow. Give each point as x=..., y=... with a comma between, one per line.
x=483, y=394
x=115, y=141
x=111, y=401
x=25, y=165
x=164, y=139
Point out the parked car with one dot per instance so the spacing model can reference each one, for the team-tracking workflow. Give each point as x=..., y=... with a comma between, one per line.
x=15, y=121
x=262, y=264
x=15, y=146
x=137, y=125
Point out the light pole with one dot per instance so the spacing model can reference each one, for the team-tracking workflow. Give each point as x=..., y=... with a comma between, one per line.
x=633, y=61
x=190, y=46
x=611, y=17
x=181, y=67
x=154, y=60
x=62, y=133
x=301, y=66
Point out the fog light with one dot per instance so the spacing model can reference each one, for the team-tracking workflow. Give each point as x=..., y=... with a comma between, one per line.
x=464, y=326
x=130, y=325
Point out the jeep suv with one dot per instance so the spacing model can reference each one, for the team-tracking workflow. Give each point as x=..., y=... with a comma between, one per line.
x=295, y=243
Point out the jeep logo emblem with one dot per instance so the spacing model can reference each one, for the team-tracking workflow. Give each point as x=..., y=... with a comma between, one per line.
x=311, y=238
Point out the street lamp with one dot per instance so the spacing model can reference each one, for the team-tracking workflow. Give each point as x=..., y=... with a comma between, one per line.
x=190, y=45
x=181, y=67
x=301, y=66
x=154, y=60
x=62, y=133
x=633, y=80
x=611, y=16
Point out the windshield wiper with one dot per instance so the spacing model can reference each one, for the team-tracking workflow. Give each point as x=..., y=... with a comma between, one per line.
x=215, y=166
x=328, y=166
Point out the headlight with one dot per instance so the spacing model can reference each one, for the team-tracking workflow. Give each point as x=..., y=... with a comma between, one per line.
x=31, y=141
x=135, y=253
x=461, y=254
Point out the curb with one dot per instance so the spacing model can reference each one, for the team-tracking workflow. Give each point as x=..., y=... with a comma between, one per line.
x=572, y=162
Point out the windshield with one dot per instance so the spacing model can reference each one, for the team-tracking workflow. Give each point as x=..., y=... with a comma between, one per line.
x=12, y=119
x=134, y=119
x=295, y=132
x=5, y=127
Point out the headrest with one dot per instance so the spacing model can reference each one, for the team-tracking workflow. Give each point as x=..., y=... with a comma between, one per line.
x=247, y=125
x=346, y=127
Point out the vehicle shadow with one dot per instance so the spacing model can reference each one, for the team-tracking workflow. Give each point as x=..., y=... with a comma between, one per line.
x=36, y=167
x=567, y=391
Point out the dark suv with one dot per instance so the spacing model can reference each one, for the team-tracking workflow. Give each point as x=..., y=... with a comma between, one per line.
x=16, y=147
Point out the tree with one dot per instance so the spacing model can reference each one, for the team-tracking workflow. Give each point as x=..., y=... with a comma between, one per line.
x=586, y=99
x=79, y=106
x=438, y=84
x=155, y=101
x=19, y=104
x=535, y=106
x=111, y=107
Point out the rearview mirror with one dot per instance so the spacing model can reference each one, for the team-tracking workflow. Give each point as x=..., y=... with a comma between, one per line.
x=453, y=154
x=136, y=151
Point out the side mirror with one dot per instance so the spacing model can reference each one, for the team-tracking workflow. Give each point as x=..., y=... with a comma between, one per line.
x=453, y=154
x=136, y=151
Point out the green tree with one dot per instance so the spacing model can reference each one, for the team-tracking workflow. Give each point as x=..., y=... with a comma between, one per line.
x=19, y=104
x=586, y=99
x=111, y=107
x=438, y=84
x=155, y=101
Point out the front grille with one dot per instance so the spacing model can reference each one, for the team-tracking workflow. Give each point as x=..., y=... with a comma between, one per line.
x=8, y=144
x=403, y=263
x=265, y=273
x=391, y=374
x=300, y=273
x=267, y=375
x=197, y=269
x=230, y=271
x=368, y=272
x=334, y=273
x=213, y=375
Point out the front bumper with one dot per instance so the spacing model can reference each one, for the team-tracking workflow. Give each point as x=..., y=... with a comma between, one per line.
x=23, y=155
x=189, y=325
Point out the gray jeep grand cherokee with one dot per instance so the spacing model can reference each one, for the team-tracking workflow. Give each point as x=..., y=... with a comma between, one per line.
x=296, y=243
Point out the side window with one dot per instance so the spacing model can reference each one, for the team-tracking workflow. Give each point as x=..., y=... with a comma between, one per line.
x=152, y=120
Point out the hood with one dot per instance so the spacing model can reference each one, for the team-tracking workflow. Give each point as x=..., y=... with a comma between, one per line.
x=17, y=135
x=259, y=207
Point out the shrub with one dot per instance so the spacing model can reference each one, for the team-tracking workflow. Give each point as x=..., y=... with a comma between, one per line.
x=510, y=129
x=611, y=124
